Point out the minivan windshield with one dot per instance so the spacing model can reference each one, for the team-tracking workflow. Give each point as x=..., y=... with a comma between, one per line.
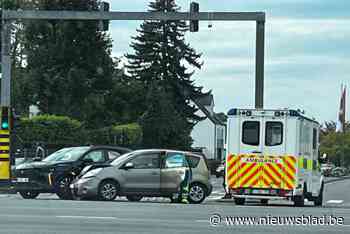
x=66, y=154
x=121, y=158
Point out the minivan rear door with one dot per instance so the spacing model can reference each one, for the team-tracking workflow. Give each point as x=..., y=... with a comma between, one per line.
x=172, y=172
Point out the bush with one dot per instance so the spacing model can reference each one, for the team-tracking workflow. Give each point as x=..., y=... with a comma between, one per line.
x=51, y=129
x=128, y=135
x=61, y=130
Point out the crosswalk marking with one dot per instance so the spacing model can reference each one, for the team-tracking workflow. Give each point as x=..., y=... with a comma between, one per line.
x=335, y=201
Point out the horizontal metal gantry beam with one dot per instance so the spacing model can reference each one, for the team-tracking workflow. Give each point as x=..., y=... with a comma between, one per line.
x=10, y=15
x=96, y=15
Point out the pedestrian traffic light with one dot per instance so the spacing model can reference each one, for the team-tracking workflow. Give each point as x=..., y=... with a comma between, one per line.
x=5, y=118
x=104, y=24
x=14, y=120
x=194, y=24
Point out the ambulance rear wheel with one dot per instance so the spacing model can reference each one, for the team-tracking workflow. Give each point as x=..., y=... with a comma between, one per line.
x=239, y=200
x=264, y=201
x=299, y=201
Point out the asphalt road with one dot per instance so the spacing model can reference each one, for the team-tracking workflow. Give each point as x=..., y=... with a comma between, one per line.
x=47, y=214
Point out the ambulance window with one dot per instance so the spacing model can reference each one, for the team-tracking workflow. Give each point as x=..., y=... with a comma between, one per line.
x=251, y=133
x=274, y=133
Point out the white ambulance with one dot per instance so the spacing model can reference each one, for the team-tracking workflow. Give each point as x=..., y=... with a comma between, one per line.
x=273, y=154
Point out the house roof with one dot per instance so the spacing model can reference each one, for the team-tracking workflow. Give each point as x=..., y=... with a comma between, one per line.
x=215, y=118
x=206, y=100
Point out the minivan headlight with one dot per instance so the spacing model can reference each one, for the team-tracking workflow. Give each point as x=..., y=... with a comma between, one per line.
x=92, y=173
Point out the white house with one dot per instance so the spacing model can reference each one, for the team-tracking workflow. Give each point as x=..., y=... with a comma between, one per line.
x=209, y=134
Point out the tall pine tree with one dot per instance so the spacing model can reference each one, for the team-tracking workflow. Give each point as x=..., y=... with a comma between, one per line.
x=162, y=58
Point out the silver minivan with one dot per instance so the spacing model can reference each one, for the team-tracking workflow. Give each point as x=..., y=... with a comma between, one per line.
x=144, y=173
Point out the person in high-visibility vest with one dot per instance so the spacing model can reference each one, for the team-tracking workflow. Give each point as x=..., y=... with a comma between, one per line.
x=185, y=184
x=186, y=177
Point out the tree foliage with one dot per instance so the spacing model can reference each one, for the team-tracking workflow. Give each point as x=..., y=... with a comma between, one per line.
x=336, y=144
x=162, y=59
x=69, y=69
x=162, y=125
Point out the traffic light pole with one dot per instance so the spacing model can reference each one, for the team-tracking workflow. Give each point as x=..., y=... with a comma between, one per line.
x=258, y=17
x=6, y=63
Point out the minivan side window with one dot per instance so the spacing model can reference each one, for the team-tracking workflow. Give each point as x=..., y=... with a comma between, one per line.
x=146, y=161
x=175, y=160
x=193, y=161
x=273, y=133
x=251, y=133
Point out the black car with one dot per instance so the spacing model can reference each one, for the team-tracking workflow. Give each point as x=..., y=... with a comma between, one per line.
x=55, y=172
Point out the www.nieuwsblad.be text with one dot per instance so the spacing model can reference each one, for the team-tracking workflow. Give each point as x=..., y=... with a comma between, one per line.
x=303, y=220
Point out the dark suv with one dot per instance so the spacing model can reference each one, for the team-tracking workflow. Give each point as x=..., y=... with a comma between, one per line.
x=54, y=173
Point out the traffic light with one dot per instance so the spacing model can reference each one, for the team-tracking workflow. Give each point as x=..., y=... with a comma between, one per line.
x=104, y=24
x=194, y=24
x=5, y=124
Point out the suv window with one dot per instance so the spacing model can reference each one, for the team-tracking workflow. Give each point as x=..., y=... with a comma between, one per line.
x=193, y=161
x=146, y=161
x=95, y=156
x=273, y=133
x=251, y=133
x=175, y=160
x=112, y=155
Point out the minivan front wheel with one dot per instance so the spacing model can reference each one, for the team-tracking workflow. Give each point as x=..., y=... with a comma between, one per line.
x=197, y=193
x=134, y=198
x=108, y=190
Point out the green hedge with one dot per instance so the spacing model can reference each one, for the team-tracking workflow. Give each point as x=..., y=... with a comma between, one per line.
x=53, y=129
x=128, y=135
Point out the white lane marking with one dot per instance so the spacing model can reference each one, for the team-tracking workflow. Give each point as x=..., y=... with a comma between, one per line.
x=218, y=191
x=214, y=197
x=335, y=201
x=83, y=217
x=202, y=221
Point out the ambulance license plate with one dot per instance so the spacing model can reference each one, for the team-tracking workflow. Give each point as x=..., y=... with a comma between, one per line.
x=23, y=180
x=260, y=191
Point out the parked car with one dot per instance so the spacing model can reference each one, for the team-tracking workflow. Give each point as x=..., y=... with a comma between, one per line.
x=220, y=170
x=144, y=173
x=55, y=172
x=339, y=171
x=326, y=169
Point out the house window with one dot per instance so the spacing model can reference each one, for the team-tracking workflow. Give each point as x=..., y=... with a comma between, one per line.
x=274, y=133
x=251, y=133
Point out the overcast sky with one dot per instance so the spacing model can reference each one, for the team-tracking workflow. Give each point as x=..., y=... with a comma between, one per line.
x=307, y=52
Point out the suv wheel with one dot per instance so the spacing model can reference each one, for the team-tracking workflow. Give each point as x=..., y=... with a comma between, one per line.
x=196, y=193
x=107, y=190
x=134, y=198
x=29, y=194
x=64, y=191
